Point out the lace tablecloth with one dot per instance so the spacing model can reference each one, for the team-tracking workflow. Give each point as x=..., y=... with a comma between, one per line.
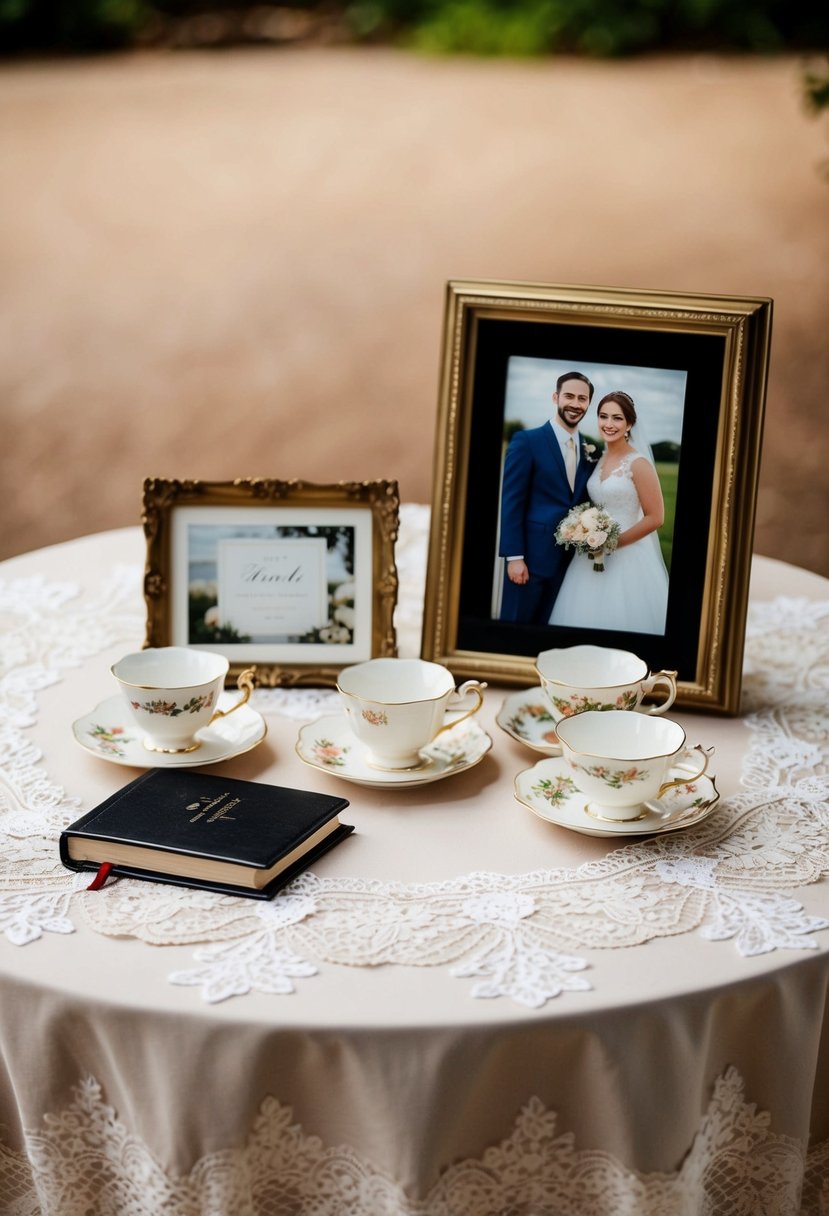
x=463, y=1009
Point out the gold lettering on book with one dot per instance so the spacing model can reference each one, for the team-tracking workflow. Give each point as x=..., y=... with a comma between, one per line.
x=210, y=803
x=222, y=811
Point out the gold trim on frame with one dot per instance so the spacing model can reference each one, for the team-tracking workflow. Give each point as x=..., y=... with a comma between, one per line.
x=381, y=498
x=745, y=325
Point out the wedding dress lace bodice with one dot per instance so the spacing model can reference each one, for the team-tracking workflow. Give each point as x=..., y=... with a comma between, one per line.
x=617, y=493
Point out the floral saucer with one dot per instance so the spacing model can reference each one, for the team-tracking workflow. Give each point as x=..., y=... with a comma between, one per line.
x=550, y=792
x=329, y=745
x=110, y=732
x=526, y=716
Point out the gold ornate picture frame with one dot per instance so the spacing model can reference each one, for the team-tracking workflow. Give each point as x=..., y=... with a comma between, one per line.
x=295, y=579
x=698, y=366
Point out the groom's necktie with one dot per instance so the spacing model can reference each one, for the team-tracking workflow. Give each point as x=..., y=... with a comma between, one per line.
x=570, y=461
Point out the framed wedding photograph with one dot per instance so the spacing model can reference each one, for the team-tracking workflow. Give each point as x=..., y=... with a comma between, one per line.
x=595, y=478
x=294, y=579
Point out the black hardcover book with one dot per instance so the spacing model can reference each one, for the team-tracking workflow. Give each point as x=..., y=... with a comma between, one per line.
x=196, y=830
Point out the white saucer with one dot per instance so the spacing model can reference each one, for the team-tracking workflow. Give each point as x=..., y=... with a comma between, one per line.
x=526, y=716
x=329, y=745
x=549, y=792
x=110, y=733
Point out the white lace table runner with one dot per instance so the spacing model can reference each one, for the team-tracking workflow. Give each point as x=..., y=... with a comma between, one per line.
x=84, y=1159
x=730, y=877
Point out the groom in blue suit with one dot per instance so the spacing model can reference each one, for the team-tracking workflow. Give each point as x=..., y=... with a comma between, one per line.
x=545, y=474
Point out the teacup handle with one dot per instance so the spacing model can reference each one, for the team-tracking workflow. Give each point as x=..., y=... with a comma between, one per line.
x=245, y=684
x=668, y=678
x=706, y=755
x=471, y=686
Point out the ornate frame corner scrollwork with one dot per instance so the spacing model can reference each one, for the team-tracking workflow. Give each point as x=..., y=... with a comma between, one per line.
x=271, y=502
x=722, y=345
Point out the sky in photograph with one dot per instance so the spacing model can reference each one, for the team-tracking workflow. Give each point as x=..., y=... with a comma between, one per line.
x=658, y=394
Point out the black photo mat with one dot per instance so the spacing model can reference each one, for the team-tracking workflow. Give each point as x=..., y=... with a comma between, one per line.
x=702, y=357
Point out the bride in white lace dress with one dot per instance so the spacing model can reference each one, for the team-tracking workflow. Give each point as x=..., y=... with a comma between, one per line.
x=632, y=593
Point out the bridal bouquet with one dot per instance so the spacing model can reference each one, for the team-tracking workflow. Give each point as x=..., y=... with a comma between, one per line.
x=589, y=529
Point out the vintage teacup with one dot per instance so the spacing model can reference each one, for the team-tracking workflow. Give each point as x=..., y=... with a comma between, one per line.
x=579, y=678
x=620, y=760
x=396, y=707
x=172, y=692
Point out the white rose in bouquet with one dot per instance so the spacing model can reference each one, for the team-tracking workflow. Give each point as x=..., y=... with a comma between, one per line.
x=589, y=529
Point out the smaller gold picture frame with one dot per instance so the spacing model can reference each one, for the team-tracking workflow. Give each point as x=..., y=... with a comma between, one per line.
x=292, y=578
x=697, y=366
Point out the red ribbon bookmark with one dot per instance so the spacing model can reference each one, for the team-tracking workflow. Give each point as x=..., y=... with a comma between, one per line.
x=101, y=877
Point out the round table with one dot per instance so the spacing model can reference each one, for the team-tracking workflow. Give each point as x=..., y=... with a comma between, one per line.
x=462, y=1008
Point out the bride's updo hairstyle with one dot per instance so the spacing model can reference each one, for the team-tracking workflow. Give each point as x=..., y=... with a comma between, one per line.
x=625, y=404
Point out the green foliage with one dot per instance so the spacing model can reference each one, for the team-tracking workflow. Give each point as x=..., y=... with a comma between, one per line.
x=668, y=475
x=816, y=86
x=512, y=428
x=816, y=92
x=606, y=27
x=666, y=450
x=71, y=25
x=480, y=27
x=484, y=27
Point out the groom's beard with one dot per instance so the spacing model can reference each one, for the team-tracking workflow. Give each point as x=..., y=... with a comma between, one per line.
x=564, y=412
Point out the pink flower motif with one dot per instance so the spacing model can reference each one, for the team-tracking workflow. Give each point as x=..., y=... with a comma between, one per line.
x=329, y=753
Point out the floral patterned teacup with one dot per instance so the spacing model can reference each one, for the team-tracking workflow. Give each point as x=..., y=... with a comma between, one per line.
x=172, y=693
x=621, y=760
x=579, y=678
x=396, y=707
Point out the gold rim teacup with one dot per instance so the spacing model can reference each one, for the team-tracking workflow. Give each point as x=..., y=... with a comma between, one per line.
x=620, y=760
x=577, y=679
x=172, y=693
x=396, y=707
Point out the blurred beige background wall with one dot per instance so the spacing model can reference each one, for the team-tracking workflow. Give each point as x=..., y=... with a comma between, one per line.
x=233, y=264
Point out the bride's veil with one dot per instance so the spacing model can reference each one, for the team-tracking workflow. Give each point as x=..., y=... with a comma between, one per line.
x=639, y=441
